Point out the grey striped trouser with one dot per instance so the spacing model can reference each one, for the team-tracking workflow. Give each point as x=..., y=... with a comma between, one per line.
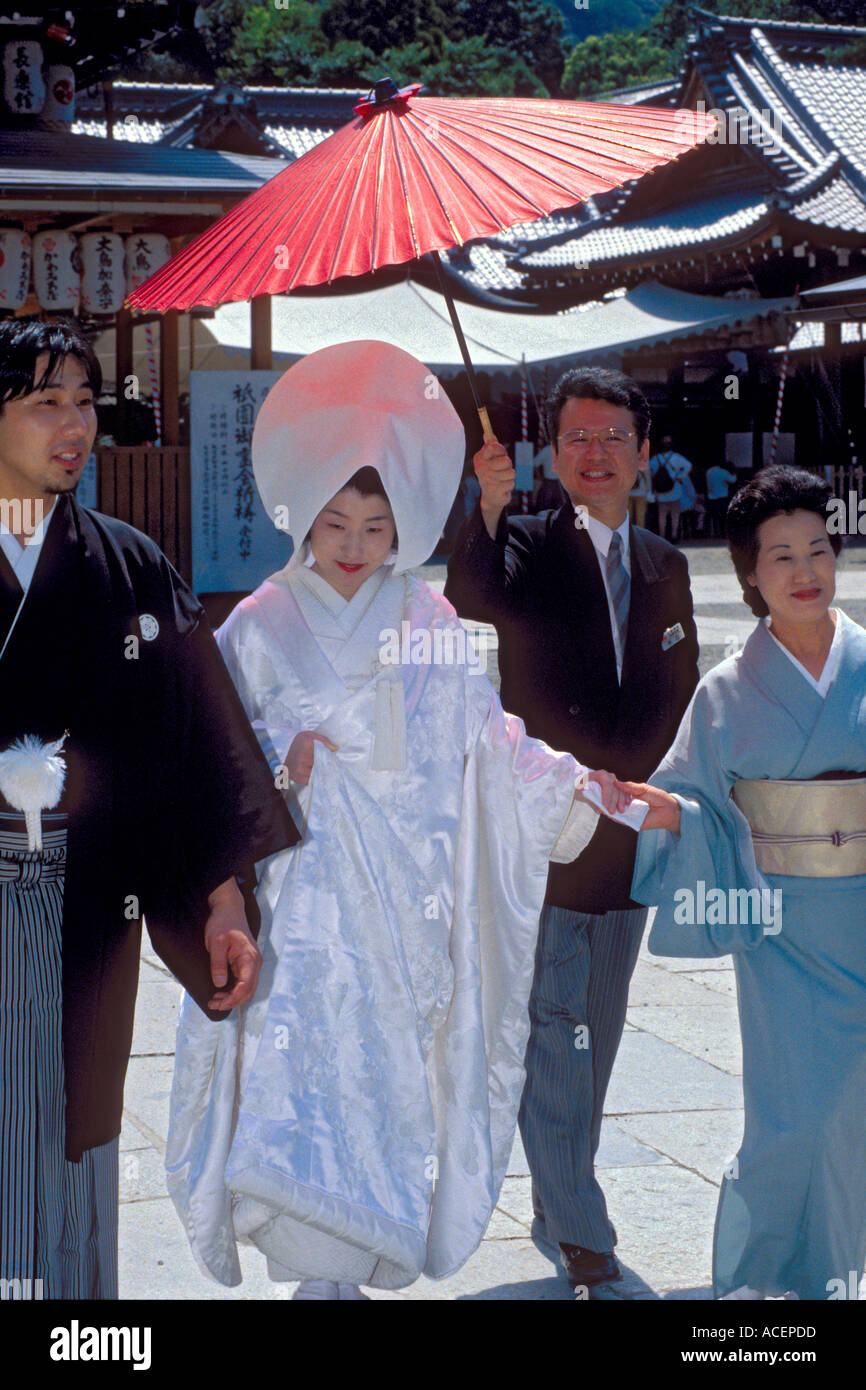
x=58, y=1220
x=583, y=965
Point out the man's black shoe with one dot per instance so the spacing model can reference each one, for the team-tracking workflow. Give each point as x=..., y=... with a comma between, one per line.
x=587, y=1267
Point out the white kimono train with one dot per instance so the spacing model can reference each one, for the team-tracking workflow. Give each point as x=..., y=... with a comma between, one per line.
x=356, y=1119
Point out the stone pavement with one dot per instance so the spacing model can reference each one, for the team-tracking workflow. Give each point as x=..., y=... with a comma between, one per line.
x=673, y=1118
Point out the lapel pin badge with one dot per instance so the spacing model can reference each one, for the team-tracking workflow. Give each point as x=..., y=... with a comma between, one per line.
x=671, y=636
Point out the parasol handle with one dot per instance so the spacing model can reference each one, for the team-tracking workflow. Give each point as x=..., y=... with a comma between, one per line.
x=464, y=351
x=485, y=423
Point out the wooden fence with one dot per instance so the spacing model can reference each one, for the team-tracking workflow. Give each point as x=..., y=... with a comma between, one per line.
x=150, y=488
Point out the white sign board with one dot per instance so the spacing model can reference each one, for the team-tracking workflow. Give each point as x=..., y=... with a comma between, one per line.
x=235, y=545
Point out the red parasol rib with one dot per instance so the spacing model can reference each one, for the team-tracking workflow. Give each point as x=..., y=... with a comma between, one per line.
x=412, y=175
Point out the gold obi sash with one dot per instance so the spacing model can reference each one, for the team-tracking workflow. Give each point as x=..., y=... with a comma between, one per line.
x=808, y=829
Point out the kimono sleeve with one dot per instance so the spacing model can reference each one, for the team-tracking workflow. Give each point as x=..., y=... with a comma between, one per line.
x=225, y=813
x=539, y=800
x=713, y=848
x=253, y=675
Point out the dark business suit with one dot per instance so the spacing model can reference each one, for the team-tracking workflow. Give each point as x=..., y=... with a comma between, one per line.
x=540, y=583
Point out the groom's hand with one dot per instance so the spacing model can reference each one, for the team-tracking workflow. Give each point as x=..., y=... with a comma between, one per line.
x=230, y=944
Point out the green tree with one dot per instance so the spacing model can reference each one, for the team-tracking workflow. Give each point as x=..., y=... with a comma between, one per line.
x=382, y=25
x=465, y=67
x=607, y=61
x=531, y=30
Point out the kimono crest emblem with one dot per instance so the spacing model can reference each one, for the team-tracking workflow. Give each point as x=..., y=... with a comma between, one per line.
x=149, y=626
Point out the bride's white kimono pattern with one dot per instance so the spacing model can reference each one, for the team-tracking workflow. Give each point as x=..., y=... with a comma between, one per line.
x=355, y=1120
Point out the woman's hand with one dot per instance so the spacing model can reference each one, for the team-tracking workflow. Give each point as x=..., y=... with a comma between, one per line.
x=299, y=759
x=664, y=809
x=613, y=797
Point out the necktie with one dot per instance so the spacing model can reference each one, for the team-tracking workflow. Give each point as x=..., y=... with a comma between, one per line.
x=618, y=584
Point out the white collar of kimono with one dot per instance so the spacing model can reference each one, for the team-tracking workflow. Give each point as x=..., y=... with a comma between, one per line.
x=831, y=665
x=601, y=535
x=356, y=405
x=335, y=603
x=25, y=557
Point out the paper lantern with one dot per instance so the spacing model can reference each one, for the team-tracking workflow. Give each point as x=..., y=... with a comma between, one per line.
x=23, y=83
x=146, y=253
x=103, y=279
x=14, y=268
x=56, y=270
x=60, y=94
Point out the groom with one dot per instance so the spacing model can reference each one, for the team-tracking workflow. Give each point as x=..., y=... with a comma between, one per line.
x=598, y=654
x=143, y=791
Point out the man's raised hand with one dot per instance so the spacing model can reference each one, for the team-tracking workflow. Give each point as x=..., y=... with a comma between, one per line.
x=495, y=473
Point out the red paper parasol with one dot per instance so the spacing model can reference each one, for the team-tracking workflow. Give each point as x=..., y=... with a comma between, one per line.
x=412, y=175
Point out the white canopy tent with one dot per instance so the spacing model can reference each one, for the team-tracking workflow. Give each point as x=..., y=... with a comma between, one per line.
x=415, y=318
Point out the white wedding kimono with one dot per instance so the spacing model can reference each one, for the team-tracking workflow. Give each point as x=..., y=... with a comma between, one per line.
x=355, y=1120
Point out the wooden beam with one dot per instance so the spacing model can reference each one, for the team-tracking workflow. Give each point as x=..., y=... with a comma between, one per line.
x=261, y=356
x=168, y=376
x=123, y=369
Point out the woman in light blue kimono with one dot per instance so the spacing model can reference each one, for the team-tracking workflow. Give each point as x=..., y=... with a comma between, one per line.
x=755, y=845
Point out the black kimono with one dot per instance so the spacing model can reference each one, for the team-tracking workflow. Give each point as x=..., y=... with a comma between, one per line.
x=167, y=793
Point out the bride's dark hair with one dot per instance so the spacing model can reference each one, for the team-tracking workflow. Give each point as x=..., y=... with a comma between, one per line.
x=368, y=483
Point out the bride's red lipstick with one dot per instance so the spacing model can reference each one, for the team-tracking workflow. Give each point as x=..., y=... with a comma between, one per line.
x=350, y=569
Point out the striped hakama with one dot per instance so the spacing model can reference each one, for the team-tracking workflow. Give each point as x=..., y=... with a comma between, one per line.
x=58, y=1220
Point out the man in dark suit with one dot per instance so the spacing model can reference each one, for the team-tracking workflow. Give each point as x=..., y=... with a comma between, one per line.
x=598, y=654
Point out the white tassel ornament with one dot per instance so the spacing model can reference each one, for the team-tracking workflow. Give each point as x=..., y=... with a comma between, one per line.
x=31, y=779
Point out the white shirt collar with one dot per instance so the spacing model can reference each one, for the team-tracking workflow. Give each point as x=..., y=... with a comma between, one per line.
x=601, y=535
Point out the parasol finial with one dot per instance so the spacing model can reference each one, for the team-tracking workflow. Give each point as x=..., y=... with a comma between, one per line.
x=384, y=93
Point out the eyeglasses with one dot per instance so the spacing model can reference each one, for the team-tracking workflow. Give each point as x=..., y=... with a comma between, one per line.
x=612, y=439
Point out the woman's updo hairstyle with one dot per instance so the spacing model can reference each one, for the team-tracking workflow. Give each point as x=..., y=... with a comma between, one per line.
x=773, y=491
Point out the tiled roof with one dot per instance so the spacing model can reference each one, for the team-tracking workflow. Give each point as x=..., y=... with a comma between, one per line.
x=648, y=94
x=837, y=206
x=803, y=126
x=835, y=99
x=37, y=159
x=293, y=118
x=699, y=224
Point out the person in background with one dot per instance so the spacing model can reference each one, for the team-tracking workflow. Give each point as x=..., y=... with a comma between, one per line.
x=668, y=469
x=640, y=497
x=688, y=508
x=719, y=479
x=598, y=652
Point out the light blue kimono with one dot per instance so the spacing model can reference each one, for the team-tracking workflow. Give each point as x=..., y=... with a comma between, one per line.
x=793, y=1215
